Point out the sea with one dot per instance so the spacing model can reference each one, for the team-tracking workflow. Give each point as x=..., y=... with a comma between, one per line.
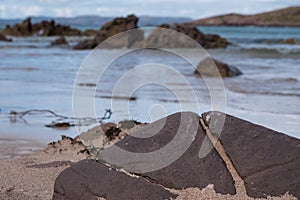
x=38, y=77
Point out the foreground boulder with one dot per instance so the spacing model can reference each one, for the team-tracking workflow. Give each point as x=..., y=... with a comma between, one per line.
x=112, y=28
x=267, y=161
x=4, y=38
x=213, y=67
x=159, y=38
x=187, y=170
x=44, y=28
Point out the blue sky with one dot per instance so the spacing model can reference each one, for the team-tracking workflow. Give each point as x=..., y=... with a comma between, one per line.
x=174, y=8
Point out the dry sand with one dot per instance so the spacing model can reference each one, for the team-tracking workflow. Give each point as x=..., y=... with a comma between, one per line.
x=33, y=176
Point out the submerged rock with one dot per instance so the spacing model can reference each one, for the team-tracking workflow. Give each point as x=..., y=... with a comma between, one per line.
x=59, y=41
x=288, y=41
x=59, y=125
x=215, y=68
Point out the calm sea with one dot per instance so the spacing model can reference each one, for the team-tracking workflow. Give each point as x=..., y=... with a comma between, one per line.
x=34, y=75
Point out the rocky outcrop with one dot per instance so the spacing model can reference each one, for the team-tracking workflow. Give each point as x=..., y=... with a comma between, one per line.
x=112, y=28
x=283, y=17
x=215, y=68
x=160, y=38
x=44, y=28
x=59, y=41
x=4, y=38
x=266, y=162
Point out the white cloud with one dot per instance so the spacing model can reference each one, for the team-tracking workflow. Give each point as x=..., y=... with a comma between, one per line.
x=2, y=11
x=103, y=9
x=173, y=8
x=27, y=10
x=63, y=12
x=52, y=1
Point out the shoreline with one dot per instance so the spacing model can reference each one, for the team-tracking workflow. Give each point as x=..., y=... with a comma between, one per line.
x=11, y=148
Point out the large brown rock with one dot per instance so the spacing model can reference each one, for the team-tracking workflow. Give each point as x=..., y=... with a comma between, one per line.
x=213, y=67
x=89, y=179
x=44, y=28
x=160, y=38
x=112, y=28
x=187, y=170
x=268, y=161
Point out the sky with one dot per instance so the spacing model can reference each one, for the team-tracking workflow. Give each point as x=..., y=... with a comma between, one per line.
x=174, y=8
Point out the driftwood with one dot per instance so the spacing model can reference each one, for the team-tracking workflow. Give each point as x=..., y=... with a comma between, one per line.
x=61, y=120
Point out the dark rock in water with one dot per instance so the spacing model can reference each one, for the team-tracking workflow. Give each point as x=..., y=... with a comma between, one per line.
x=119, y=25
x=4, y=38
x=159, y=38
x=288, y=41
x=59, y=125
x=60, y=41
x=213, y=67
x=90, y=32
x=268, y=161
x=112, y=28
x=88, y=179
x=187, y=170
x=44, y=28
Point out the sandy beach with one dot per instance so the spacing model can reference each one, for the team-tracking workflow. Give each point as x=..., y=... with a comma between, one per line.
x=32, y=175
x=127, y=101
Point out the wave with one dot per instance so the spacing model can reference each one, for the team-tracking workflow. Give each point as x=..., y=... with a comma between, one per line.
x=280, y=80
x=265, y=49
x=268, y=93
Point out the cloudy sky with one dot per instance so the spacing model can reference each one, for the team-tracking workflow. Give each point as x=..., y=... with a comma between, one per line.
x=187, y=8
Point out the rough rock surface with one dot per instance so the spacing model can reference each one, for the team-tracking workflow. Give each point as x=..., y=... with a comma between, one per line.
x=44, y=28
x=89, y=179
x=159, y=38
x=268, y=161
x=213, y=67
x=112, y=28
x=4, y=38
x=186, y=171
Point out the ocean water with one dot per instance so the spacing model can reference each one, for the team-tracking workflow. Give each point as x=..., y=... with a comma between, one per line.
x=34, y=75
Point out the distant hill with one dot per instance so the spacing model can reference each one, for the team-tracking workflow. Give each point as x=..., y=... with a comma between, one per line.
x=284, y=17
x=95, y=22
